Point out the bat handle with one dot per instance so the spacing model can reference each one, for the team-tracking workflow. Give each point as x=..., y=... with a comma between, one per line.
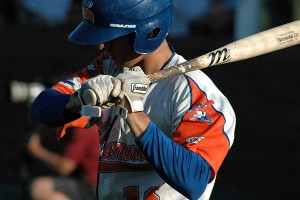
x=90, y=109
x=187, y=66
x=89, y=97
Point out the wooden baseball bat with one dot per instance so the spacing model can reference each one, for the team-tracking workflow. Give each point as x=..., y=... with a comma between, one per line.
x=267, y=41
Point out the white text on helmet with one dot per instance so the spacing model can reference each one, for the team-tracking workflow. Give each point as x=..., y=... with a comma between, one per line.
x=123, y=25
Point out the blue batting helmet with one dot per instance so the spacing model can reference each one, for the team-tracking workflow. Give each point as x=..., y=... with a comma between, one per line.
x=105, y=20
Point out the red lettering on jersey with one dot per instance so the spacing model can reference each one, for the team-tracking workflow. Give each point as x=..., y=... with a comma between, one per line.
x=122, y=152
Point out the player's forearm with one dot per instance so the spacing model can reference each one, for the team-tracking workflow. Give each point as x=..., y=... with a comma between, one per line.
x=138, y=123
x=169, y=159
x=73, y=105
x=49, y=108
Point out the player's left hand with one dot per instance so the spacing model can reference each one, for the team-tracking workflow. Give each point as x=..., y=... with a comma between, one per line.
x=135, y=84
x=105, y=87
x=107, y=91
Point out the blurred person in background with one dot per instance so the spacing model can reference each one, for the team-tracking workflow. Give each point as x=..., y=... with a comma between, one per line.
x=217, y=21
x=280, y=12
x=45, y=13
x=202, y=18
x=186, y=11
x=75, y=168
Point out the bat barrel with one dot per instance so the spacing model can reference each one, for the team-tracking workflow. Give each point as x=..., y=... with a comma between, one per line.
x=271, y=40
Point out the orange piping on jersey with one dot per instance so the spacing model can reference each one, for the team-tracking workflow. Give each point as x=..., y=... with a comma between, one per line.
x=81, y=122
x=202, y=127
x=152, y=196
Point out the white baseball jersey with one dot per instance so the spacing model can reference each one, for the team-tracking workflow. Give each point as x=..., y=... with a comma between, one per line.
x=188, y=108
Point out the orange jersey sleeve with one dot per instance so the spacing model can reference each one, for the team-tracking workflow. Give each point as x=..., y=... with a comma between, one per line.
x=201, y=130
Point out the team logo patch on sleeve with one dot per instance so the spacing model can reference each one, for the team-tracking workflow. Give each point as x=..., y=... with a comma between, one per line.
x=73, y=83
x=201, y=116
x=201, y=113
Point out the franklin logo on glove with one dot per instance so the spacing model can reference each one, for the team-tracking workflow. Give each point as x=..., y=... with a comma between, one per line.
x=139, y=88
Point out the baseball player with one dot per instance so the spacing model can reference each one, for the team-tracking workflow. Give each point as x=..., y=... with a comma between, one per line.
x=163, y=140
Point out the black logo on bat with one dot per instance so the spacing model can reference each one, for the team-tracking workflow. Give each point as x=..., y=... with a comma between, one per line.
x=217, y=55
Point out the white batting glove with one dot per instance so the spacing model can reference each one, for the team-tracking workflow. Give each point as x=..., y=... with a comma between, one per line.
x=106, y=89
x=135, y=84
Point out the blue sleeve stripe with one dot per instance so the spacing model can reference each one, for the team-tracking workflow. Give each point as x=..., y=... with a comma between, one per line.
x=184, y=170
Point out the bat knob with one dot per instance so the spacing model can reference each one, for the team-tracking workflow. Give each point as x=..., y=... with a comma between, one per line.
x=89, y=97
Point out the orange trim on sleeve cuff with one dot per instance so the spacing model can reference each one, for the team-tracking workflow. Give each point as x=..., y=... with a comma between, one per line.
x=81, y=122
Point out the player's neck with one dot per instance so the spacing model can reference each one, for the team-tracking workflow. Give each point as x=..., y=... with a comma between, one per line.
x=155, y=61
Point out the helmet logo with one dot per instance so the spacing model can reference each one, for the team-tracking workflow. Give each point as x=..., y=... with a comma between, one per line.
x=123, y=25
x=86, y=13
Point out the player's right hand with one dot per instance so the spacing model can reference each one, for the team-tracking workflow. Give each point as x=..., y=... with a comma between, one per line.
x=106, y=88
